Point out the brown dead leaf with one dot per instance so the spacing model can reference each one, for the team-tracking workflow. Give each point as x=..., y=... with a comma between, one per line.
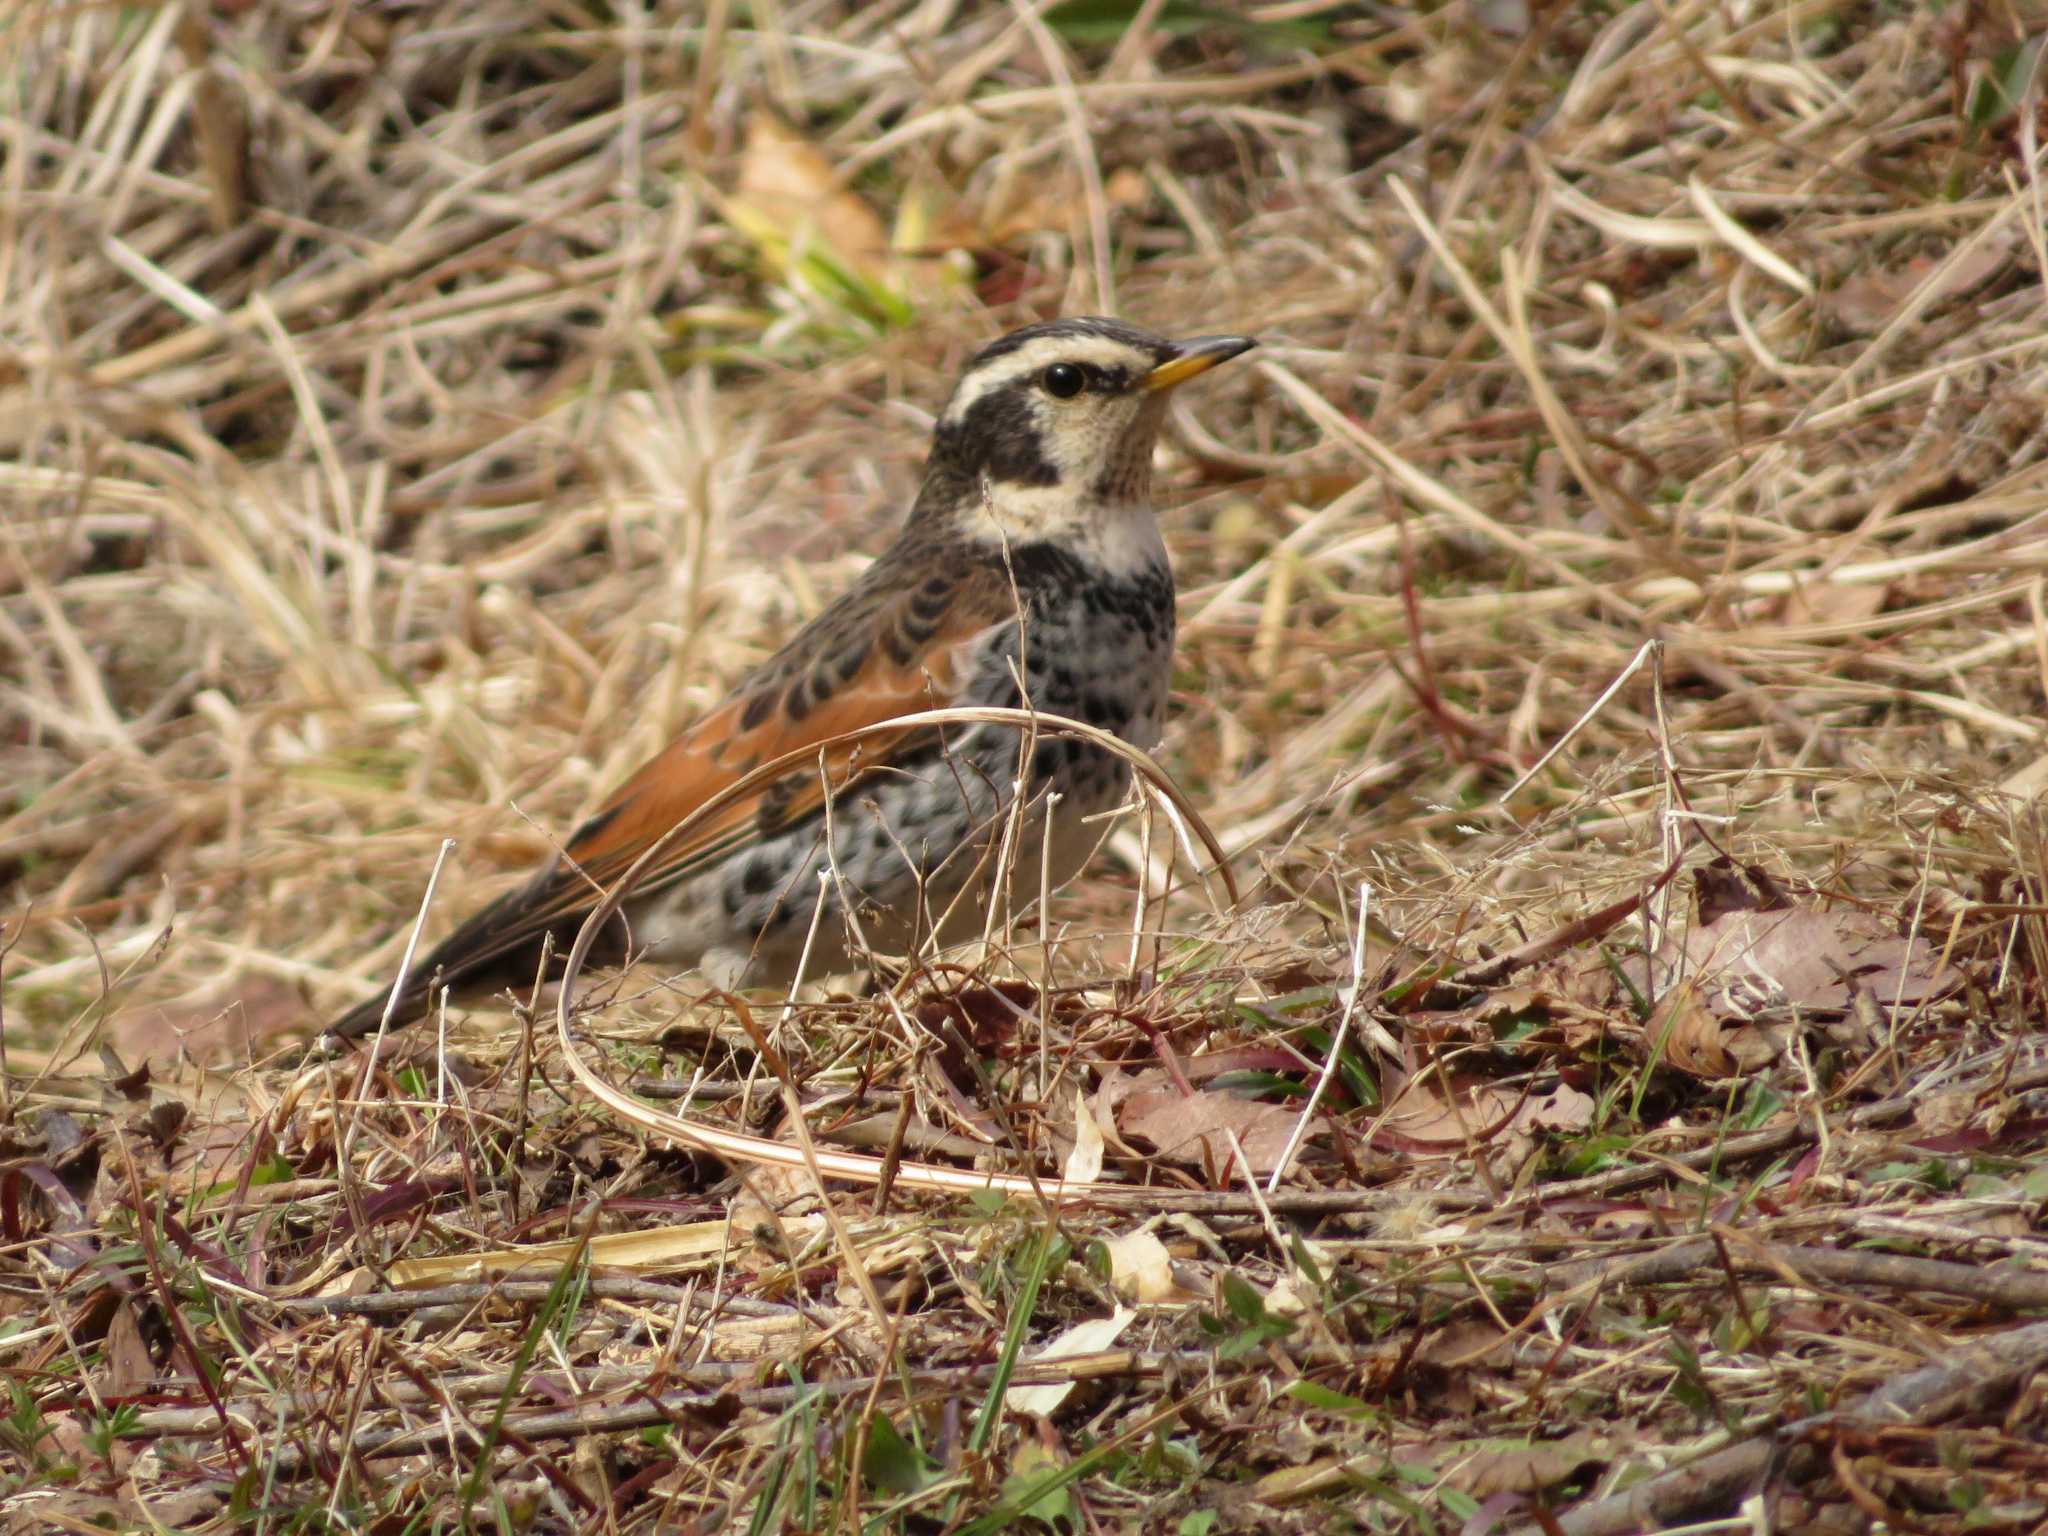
x=788, y=182
x=1866, y=303
x=1142, y=1271
x=160, y=1123
x=790, y=200
x=767, y=1194
x=180, y=1510
x=1459, y=1346
x=1810, y=958
x=1510, y=1467
x=128, y=1369
x=1744, y=966
x=1551, y=995
x=1424, y=1120
x=1084, y=1338
x=1728, y=989
x=1943, y=1114
x=1832, y=602
x=223, y=1026
x=2027, y=783
x=1758, y=1044
x=169, y=1145
x=994, y=1017
x=1420, y=1121
x=1689, y=1035
x=1720, y=887
x=1505, y=1003
x=1292, y=1485
x=1083, y=1164
x=1112, y=1088
x=1187, y=1129
x=1564, y=1108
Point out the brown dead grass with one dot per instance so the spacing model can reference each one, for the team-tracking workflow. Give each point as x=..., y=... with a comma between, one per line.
x=413, y=415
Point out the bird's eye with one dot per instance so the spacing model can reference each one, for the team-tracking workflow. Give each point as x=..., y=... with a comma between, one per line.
x=1063, y=380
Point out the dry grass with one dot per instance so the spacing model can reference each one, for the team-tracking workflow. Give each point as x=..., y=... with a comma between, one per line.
x=414, y=414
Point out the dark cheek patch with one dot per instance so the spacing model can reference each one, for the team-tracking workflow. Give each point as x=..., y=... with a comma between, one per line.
x=1001, y=437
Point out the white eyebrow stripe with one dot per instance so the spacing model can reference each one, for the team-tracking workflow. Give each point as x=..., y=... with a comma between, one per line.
x=1035, y=355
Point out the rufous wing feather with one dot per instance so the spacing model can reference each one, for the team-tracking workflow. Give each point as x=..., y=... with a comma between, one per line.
x=913, y=652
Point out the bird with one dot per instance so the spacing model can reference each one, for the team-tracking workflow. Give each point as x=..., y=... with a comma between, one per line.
x=1029, y=572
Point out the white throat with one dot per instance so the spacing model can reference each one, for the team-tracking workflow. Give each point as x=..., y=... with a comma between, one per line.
x=1119, y=538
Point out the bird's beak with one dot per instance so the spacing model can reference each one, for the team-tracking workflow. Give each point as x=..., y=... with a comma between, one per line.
x=1189, y=358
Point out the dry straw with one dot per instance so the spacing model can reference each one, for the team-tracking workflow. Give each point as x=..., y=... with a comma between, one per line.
x=407, y=423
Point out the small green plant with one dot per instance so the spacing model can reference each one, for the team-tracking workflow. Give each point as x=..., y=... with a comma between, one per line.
x=792, y=1489
x=1103, y=22
x=24, y=1429
x=890, y=1463
x=1694, y=1390
x=105, y=1429
x=1248, y=1327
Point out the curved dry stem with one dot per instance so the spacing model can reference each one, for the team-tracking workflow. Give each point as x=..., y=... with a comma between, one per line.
x=733, y=1145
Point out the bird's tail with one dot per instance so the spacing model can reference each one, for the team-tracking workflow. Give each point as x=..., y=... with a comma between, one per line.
x=492, y=943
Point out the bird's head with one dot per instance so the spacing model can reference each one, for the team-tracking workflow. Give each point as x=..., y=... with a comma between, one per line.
x=1057, y=421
